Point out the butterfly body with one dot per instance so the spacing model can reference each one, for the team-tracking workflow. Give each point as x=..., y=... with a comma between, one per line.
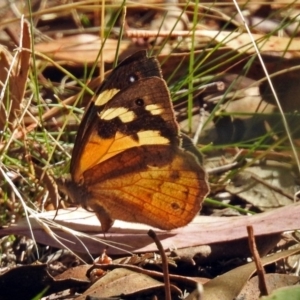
x=128, y=161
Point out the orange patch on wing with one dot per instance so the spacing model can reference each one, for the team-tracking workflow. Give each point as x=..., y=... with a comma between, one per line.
x=92, y=153
x=166, y=197
x=98, y=150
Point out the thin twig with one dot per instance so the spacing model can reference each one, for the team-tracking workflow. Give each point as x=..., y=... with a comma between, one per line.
x=259, y=267
x=160, y=248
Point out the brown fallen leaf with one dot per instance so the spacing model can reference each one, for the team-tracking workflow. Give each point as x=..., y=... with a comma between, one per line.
x=78, y=274
x=230, y=284
x=17, y=77
x=265, y=186
x=178, y=280
x=84, y=49
x=123, y=281
x=133, y=237
x=274, y=281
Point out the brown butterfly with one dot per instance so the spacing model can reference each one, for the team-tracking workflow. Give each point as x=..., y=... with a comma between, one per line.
x=129, y=160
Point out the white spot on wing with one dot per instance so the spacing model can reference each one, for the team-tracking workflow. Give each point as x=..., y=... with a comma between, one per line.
x=132, y=79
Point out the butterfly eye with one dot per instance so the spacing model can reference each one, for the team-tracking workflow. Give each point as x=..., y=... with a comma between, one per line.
x=139, y=102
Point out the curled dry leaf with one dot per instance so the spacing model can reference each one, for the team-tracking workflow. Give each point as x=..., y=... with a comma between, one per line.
x=17, y=77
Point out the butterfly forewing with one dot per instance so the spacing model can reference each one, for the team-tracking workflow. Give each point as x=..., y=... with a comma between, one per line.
x=140, y=115
x=130, y=70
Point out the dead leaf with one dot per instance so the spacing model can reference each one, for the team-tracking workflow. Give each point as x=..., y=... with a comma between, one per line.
x=17, y=78
x=266, y=186
x=230, y=284
x=274, y=281
x=291, y=292
x=77, y=274
x=242, y=42
x=83, y=49
x=122, y=281
x=133, y=237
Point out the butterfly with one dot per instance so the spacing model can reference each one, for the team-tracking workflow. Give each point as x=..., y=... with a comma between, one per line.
x=130, y=161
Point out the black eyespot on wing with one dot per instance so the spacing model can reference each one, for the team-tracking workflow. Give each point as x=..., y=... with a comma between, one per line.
x=175, y=206
x=139, y=102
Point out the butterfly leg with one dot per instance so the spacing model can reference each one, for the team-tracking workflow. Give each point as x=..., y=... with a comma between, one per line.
x=102, y=215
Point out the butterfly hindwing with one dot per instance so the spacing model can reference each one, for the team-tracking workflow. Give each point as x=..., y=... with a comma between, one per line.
x=154, y=185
